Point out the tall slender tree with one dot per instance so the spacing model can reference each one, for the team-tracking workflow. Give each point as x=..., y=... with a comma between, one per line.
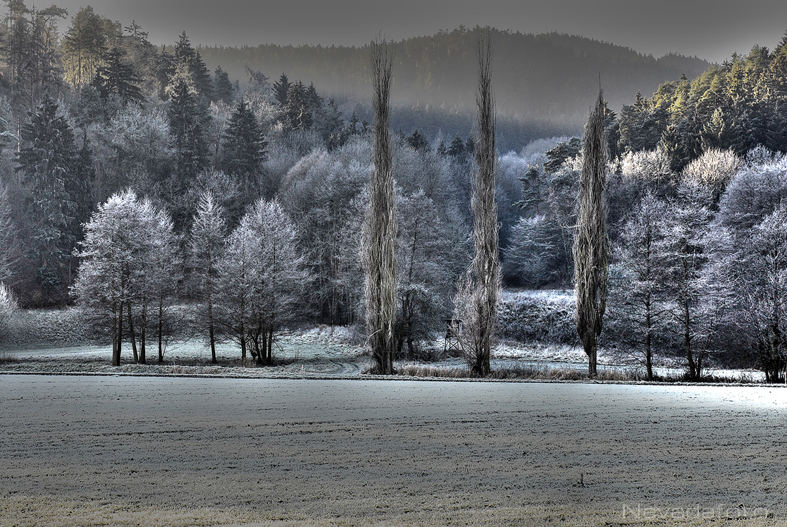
x=380, y=235
x=591, y=246
x=485, y=270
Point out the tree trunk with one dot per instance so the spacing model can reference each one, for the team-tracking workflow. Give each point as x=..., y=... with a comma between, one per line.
x=270, y=345
x=132, y=334
x=143, y=334
x=120, y=332
x=115, y=336
x=593, y=362
x=693, y=374
x=211, y=332
x=160, y=330
x=648, y=339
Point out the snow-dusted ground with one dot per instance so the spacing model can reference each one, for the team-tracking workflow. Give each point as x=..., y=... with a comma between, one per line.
x=323, y=352
x=175, y=451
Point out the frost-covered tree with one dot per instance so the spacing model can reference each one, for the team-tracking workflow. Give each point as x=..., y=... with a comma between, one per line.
x=206, y=244
x=163, y=276
x=591, y=250
x=714, y=168
x=533, y=254
x=260, y=278
x=638, y=284
x=476, y=302
x=8, y=237
x=684, y=251
x=124, y=263
x=430, y=258
x=319, y=191
x=761, y=281
x=647, y=165
x=134, y=149
x=380, y=227
x=754, y=192
x=753, y=261
x=8, y=307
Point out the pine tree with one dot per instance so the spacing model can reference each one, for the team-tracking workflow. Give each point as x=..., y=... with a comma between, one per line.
x=189, y=60
x=116, y=77
x=223, y=90
x=417, y=141
x=187, y=120
x=164, y=69
x=50, y=167
x=201, y=77
x=244, y=149
x=281, y=88
x=297, y=114
x=84, y=47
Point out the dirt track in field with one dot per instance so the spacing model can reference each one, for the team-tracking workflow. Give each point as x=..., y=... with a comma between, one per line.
x=177, y=451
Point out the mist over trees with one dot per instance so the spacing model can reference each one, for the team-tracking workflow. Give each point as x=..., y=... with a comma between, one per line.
x=136, y=180
x=544, y=80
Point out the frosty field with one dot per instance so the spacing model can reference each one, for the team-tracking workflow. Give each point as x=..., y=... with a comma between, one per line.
x=176, y=451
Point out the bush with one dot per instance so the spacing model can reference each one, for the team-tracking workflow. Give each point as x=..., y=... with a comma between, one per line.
x=540, y=316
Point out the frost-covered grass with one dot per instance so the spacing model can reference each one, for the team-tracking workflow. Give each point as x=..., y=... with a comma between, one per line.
x=539, y=342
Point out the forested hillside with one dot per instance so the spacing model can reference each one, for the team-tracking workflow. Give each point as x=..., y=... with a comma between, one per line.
x=738, y=105
x=135, y=179
x=546, y=78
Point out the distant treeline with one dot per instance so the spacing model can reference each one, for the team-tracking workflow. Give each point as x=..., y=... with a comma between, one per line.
x=542, y=78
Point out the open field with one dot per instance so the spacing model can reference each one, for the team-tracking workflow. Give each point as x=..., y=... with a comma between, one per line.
x=174, y=451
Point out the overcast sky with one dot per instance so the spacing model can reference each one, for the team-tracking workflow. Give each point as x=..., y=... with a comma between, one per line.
x=711, y=29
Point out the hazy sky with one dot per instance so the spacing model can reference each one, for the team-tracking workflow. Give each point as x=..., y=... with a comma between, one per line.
x=711, y=29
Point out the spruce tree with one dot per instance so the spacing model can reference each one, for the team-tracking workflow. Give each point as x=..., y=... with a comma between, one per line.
x=280, y=90
x=188, y=119
x=244, y=149
x=116, y=77
x=223, y=90
x=54, y=176
x=417, y=141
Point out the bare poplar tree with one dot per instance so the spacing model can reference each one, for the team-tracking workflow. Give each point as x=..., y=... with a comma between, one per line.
x=591, y=246
x=477, y=300
x=380, y=228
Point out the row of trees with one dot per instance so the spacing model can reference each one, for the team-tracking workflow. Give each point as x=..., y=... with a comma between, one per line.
x=247, y=281
x=119, y=113
x=707, y=274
